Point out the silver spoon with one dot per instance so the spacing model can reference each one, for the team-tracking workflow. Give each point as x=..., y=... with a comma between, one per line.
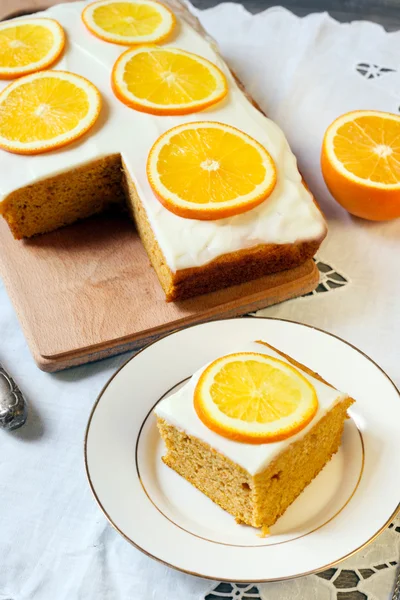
x=13, y=409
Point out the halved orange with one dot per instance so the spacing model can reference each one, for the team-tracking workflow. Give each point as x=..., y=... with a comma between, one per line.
x=207, y=170
x=46, y=110
x=29, y=45
x=129, y=22
x=254, y=398
x=167, y=81
x=360, y=163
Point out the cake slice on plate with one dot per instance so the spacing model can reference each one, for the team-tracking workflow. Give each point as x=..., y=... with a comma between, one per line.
x=251, y=430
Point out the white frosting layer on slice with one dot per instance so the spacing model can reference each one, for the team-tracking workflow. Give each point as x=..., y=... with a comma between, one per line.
x=178, y=410
x=287, y=216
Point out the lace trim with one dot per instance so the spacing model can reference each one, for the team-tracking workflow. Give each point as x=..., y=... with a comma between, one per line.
x=340, y=583
x=371, y=71
x=329, y=279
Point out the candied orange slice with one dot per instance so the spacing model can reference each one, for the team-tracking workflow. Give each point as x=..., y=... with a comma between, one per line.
x=167, y=81
x=208, y=170
x=29, y=45
x=129, y=22
x=254, y=398
x=361, y=163
x=46, y=110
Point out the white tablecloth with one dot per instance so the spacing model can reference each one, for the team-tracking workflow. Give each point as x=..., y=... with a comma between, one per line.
x=55, y=544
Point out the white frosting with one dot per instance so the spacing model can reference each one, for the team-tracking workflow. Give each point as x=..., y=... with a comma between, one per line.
x=178, y=410
x=287, y=216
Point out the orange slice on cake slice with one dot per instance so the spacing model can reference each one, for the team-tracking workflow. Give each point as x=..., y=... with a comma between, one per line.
x=167, y=81
x=129, y=22
x=361, y=163
x=208, y=170
x=29, y=45
x=254, y=398
x=46, y=110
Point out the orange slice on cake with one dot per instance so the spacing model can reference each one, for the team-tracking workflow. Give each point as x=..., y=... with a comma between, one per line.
x=167, y=81
x=46, y=110
x=254, y=398
x=29, y=45
x=129, y=22
x=361, y=163
x=208, y=170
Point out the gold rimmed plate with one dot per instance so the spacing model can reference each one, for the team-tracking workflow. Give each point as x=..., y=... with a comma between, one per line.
x=345, y=507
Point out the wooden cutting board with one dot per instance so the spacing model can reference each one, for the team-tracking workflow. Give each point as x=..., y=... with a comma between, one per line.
x=88, y=291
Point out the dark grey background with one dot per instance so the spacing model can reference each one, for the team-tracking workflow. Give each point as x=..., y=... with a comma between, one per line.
x=385, y=12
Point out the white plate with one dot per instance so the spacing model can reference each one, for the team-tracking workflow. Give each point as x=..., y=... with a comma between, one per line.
x=344, y=508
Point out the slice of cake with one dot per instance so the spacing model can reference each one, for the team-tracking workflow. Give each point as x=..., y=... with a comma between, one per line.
x=39, y=193
x=253, y=433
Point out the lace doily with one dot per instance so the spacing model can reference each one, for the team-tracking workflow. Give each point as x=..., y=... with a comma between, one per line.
x=362, y=577
x=329, y=279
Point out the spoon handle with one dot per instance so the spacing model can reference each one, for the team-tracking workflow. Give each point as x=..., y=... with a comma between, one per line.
x=13, y=409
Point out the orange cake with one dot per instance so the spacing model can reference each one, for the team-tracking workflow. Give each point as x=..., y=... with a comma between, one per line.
x=275, y=224
x=228, y=445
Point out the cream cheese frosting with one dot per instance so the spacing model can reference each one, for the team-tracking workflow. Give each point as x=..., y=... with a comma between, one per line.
x=178, y=410
x=287, y=216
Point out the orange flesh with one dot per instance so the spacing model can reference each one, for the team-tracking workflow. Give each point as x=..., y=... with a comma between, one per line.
x=146, y=76
x=193, y=166
x=51, y=107
x=369, y=147
x=123, y=18
x=24, y=44
x=230, y=392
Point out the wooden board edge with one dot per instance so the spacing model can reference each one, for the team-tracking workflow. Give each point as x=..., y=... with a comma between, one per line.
x=237, y=300
x=137, y=341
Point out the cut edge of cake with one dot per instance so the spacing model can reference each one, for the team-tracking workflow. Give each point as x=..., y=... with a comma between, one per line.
x=64, y=198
